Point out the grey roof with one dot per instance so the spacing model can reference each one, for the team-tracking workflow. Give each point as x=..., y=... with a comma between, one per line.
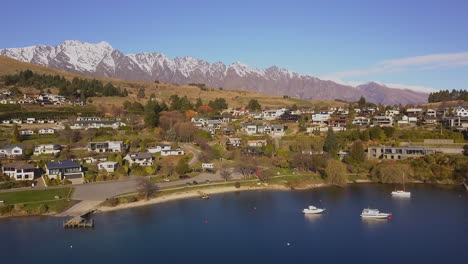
x=12, y=146
x=62, y=164
x=140, y=155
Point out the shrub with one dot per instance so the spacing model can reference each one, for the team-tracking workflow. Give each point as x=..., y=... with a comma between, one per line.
x=113, y=202
x=237, y=185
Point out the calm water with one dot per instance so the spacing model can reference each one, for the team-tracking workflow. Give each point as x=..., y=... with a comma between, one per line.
x=256, y=227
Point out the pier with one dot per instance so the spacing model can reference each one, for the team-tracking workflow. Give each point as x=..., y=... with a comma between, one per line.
x=82, y=221
x=465, y=183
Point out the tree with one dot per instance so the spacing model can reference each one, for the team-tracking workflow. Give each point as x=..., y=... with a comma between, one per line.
x=198, y=103
x=357, y=154
x=190, y=113
x=16, y=136
x=391, y=172
x=141, y=93
x=362, y=102
x=336, y=172
x=225, y=173
x=254, y=105
x=331, y=142
x=218, y=104
x=205, y=109
x=182, y=166
x=146, y=187
x=247, y=167
x=465, y=150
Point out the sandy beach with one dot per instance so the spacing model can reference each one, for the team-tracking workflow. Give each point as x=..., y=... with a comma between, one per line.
x=194, y=193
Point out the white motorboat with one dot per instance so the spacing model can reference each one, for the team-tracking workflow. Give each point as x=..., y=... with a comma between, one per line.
x=401, y=193
x=374, y=213
x=313, y=210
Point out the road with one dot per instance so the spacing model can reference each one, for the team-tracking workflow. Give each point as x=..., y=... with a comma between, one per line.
x=196, y=153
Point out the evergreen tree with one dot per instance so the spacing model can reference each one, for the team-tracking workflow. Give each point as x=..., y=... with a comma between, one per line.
x=16, y=136
x=362, y=102
x=141, y=93
x=182, y=166
x=357, y=154
x=331, y=143
x=199, y=103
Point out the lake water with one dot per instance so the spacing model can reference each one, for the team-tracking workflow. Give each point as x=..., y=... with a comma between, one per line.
x=256, y=227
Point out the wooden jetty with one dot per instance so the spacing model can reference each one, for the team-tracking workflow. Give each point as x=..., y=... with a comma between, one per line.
x=203, y=195
x=82, y=221
x=465, y=183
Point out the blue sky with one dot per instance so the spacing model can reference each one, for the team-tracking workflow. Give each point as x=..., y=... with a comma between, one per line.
x=418, y=43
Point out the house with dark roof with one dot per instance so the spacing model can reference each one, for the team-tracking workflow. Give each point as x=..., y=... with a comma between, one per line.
x=64, y=169
x=140, y=158
x=19, y=170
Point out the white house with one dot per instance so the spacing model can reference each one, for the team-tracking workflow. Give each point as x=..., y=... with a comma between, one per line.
x=250, y=129
x=361, y=120
x=46, y=131
x=140, y=158
x=392, y=113
x=31, y=120
x=257, y=143
x=47, y=149
x=11, y=150
x=207, y=165
x=321, y=117
x=273, y=114
x=19, y=171
x=460, y=111
x=414, y=111
x=109, y=166
x=172, y=152
x=277, y=130
x=97, y=124
x=431, y=113
x=234, y=142
x=27, y=132
x=159, y=148
x=88, y=118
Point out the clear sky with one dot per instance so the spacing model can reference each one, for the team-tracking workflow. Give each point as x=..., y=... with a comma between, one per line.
x=410, y=42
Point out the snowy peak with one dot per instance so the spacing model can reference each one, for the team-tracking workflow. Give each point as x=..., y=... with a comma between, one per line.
x=101, y=59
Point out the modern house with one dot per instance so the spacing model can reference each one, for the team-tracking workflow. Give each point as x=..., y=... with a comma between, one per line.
x=396, y=153
x=47, y=149
x=252, y=151
x=277, y=130
x=64, y=169
x=109, y=166
x=19, y=171
x=11, y=151
x=361, y=121
x=257, y=143
x=107, y=146
x=27, y=132
x=172, y=152
x=460, y=111
x=97, y=124
x=140, y=158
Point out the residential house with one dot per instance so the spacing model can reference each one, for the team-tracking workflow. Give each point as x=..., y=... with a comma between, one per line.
x=46, y=131
x=414, y=112
x=234, y=142
x=19, y=171
x=460, y=111
x=47, y=149
x=27, y=132
x=107, y=146
x=11, y=151
x=140, y=158
x=64, y=169
x=431, y=113
x=396, y=153
x=252, y=151
x=109, y=166
x=30, y=120
x=277, y=130
x=361, y=121
x=392, y=113
x=172, y=152
x=228, y=131
x=321, y=117
x=257, y=143
x=273, y=114
x=456, y=122
x=383, y=121
x=430, y=120
x=250, y=129
x=158, y=148
x=97, y=124
x=407, y=120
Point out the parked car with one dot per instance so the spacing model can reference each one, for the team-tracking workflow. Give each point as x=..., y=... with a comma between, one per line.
x=209, y=170
x=198, y=170
x=185, y=176
x=188, y=183
x=166, y=180
x=195, y=182
x=207, y=181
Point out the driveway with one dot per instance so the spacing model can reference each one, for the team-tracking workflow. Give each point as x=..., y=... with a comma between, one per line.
x=196, y=153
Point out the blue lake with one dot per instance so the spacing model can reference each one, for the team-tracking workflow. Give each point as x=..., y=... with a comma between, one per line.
x=256, y=227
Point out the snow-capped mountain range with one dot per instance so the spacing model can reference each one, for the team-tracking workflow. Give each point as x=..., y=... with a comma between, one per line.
x=102, y=60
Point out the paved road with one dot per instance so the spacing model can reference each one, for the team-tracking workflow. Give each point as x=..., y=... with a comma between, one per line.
x=196, y=153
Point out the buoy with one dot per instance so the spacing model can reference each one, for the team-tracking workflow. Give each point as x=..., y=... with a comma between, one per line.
x=71, y=246
x=390, y=217
x=288, y=244
x=320, y=200
x=206, y=222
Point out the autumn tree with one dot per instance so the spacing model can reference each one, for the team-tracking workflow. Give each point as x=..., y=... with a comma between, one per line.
x=145, y=187
x=225, y=173
x=336, y=172
x=205, y=109
x=190, y=114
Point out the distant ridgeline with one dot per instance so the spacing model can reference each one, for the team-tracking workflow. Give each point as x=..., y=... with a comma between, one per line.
x=78, y=88
x=442, y=96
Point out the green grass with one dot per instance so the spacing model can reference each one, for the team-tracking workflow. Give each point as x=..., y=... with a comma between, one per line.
x=34, y=196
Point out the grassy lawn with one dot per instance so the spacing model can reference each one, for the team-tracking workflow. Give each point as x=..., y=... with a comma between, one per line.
x=33, y=195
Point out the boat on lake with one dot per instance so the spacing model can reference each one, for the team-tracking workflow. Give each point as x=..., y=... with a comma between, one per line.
x=402, y=193
x=374, y=213
x=313, y=210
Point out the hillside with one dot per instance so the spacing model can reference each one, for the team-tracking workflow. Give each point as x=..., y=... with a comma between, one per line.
x=102, y=60
x=162, y=90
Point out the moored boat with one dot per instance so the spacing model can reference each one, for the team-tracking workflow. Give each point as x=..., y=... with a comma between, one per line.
x=313, y=210
x=401, y=193
x=374, y=213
